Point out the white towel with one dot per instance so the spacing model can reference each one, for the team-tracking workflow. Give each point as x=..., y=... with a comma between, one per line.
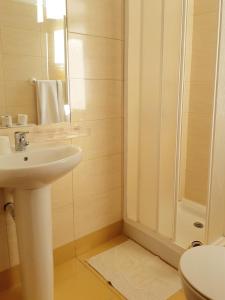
x=50, y=101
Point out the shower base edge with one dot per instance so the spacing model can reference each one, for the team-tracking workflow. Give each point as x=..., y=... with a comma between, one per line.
x=164, y=248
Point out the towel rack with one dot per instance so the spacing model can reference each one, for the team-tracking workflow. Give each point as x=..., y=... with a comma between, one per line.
x=33, y=80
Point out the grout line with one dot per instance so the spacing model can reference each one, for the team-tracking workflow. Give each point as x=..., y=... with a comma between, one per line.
x=95, y=36
x=95, y=79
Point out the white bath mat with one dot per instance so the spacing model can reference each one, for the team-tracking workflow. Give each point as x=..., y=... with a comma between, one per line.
x=136, y=273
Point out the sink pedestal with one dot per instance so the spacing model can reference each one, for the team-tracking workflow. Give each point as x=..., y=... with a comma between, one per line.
x=29, y=174
x=34, y=233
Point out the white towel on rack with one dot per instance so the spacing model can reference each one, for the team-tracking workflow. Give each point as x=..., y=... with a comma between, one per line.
x=50, y=101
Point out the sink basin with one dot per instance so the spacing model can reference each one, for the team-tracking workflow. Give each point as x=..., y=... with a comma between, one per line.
x=32, y=169
x=27, y=176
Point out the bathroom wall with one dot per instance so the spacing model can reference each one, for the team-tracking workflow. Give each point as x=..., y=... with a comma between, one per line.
x=199, y=106
x=89, y=198
x=96, y=91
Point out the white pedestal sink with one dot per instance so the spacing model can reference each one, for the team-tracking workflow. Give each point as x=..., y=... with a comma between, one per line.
x=30, y=174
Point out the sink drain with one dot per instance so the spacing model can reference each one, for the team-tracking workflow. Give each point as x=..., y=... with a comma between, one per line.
x=198, y=225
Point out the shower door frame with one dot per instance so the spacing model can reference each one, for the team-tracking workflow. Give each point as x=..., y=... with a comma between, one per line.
x=151, y=239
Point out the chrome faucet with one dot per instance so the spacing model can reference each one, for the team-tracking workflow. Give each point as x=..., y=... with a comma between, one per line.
x=20, y=140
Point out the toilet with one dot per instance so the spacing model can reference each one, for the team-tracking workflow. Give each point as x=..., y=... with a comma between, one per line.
x=202, y=271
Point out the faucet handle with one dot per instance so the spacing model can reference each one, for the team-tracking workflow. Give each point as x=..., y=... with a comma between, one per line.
x=20, y=140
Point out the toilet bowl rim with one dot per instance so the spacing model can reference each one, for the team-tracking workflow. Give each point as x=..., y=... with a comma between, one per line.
x=191, y=286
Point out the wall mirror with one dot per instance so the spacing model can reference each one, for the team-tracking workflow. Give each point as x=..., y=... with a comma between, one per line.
x=200, y=59
x=33, y=62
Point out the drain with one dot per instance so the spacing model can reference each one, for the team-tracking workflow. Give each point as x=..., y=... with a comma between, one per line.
x=25, y=158
x=196, y=244
x=198, y=225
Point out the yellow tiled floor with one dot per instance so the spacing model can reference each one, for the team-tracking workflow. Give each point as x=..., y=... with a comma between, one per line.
x=178, y=296
x=76, y=280
x=72, y=281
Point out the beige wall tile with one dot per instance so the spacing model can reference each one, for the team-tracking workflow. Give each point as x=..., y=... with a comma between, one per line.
x=1, y=47
x=205, y=32
x=196, y=188
x=94, y=212
x=20, y=93
x=98, y=176
x=15, y=110
x=105, y=138
x=2, y=96
x=62, y=191
x=198, y=156
x=21, y=42
x=206, y=6
x=94, y=57
x=19, y=15
x=4, y=252
x=2, y=110
x=95, y=99
x=201, y=98
x=99, y=17
x=200, y=101
x=100, y=240
x=22, y=67
x=204, y=47
x=202, y=71
x=97, y=194
x=199, y=126
x=1, y=67
x=63, y=228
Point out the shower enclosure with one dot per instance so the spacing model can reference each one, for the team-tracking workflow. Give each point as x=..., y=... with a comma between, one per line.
x=174, y=124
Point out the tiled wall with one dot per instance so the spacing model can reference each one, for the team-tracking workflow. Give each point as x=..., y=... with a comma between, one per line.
x=199, y=109
x=96, y=89
x=89, y=198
